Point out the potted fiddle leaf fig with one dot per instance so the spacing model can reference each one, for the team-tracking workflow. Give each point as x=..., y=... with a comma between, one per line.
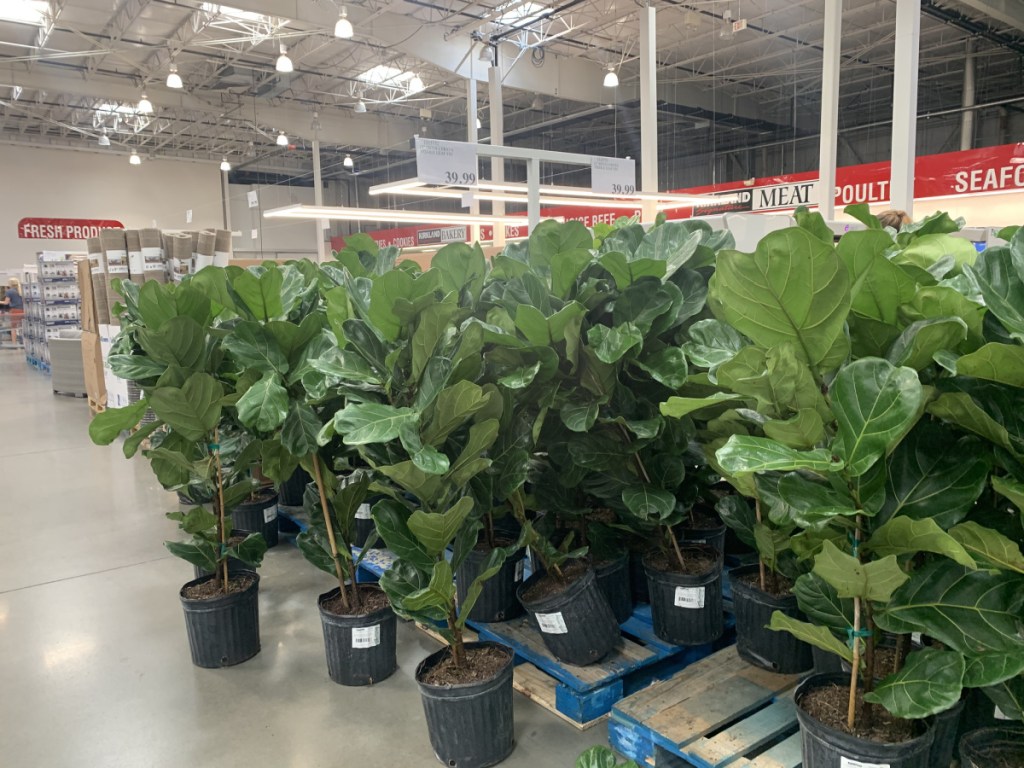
x=175, y=355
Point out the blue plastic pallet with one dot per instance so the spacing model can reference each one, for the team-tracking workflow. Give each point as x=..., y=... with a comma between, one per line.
x=719, y=711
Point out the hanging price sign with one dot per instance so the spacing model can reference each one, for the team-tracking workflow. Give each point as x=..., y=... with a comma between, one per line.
x=612, y=176
x=446, y=162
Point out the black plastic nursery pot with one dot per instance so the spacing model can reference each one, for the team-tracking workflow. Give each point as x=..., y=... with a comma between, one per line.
x=638, y=577
x=234, y=564
x=291, y=490
x=470, y=725
x=613, y=579
x=686, y=609
x=365, y=528
x=360, y=649
x=755, y=643
x=826, y=747
x=945, y=727
x=712, y=535
x=993, y=748
x=497, y=600
x=259, y=515
x=223, y=631
x=576, y=624
x=824, y=662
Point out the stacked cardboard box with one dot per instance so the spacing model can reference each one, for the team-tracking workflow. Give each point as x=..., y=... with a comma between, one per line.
x=92, y=358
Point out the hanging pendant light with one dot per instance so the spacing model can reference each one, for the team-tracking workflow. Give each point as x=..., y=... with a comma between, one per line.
x=611, y=79
x=104, y=140
x=348, y=162
x=284, y=64
x=173, y=78
x=225, y=165
x=360, y=107
x=282, y=140
x=343, y=28
x=415, y=84
x=145, y=106
x=134, y=158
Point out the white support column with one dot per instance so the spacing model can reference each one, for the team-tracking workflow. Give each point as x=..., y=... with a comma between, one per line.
x=831, y=48
x=967, y=119
x=533, y=192
x=225, y=197
x=648, y=109
x=472, y=136
x=904, y=105
x=497, y=140
x=318, y=200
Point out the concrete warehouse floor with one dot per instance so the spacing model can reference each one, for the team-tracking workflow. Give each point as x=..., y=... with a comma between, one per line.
x=94, y=662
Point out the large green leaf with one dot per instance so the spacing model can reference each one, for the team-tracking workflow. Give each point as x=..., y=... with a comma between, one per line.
x=648, y=503
x=462, y=266
x=1003, y=363
x=960, y=409
x=254, y=346
x=999, y=274
x=434, y=323
x=1010, y=489
x=579, y=417
x=930, y=682
x=436, y=530
x=875, y=580
x=803, y=431
x=428, y=488
x=677, y=407
x=992, y=668
x=611, y=344
x=667, y=367
x=934, y=473
x=135, y=367
x=469, y=461
x=262, y=295
x=944, y=301
x=391, y=520
x=875, y=405
x=193, y=410
x=300, y=428
x=438, y=595
x=812, y=503
x=712, y=343
x=921, y=340
x=626, y=271
x=196, y=552
x=906, y=536
x=878, y=286
x=1009, y=697
x=672, y=242
x=989, y=548
x=820, y=637
x=107, y=425
x=551, y=240
x=821, y=603
x=758, y=454
x=454, y=406
x=770, y=543
x=386, y=291
x=156, y=304
x=362, y=423
x=793, y=288
x=969, y=611
x=181, y=342
x=264, y=405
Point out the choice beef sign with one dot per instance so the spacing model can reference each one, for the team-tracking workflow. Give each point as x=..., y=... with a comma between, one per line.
x=64, y=229
x=986, y=171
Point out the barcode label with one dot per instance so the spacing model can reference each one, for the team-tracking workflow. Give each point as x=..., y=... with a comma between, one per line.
x=366, y=637
x=270, y=513
x=552, y=623
x=689, y=597
x=849, y=762
x=363, y=513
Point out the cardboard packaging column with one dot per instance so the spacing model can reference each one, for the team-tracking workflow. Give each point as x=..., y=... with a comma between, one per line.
x=136, y=264
x=222, y=248
x=206, y=243
x=154, y=267
x=195, y=250
x=97, y=269
x=115, y=255
x=181, y=256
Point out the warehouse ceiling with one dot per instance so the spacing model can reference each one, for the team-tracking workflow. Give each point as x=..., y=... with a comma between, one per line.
x=72, y=71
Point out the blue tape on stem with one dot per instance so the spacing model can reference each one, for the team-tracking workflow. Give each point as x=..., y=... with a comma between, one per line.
x=853, y=634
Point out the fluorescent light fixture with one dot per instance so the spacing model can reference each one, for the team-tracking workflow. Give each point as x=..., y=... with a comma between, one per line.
x=517, y=13
x=33, y=12
x=282, y=140
x=360, y=107
x=134, y=158
x=145, y=106
x=385, y=214
x=343, y=28
x=104, y=140
x=173, y=78
x=225, y=165
x=537, y=103
x=415, y=84
x=283, y=63
x=479, y=125
x=227, y=13
x=348, y=162
x=611, y=80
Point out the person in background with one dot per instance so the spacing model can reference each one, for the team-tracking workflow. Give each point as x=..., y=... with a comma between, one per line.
x=894, y=219
x=12, y=299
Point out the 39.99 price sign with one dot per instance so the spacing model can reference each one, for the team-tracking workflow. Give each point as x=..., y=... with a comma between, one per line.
x=612, y=176
x=446, y=162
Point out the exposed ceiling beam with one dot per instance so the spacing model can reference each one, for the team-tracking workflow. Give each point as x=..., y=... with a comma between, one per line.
x=1008, y=12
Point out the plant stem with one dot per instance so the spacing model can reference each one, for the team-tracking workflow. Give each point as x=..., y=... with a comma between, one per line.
x=851, y=709
x=458, y=650
x=675, y=546
x=222, y=535
x=318, y=477
x=760, y=560
x=490, y=531
x=902, y=649
x=869, y=663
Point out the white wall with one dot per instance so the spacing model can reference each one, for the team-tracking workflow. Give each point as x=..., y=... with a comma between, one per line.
x=64, y=184
x=276, y=238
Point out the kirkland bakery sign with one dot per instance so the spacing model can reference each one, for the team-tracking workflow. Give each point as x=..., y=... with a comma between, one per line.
x=64, y=229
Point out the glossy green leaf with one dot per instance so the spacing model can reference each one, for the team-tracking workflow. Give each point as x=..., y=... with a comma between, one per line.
x=426, y=487
x=960, y=409
x=390, y=519
x=520, y=378
x=1009, y=697
x=532, y=324
x=579, y=417
x=999, y=277
x=261, y=295
x=363, y=423
x=386, y=290
x=264, y=405
x=821, y=603
x=249, y=550
x=862, y=213
x=611, y=344
x=435, y=322
x=944, y=301
x=108, y=424
x=803, y=431
x=969, y=611
x=737, y=513
x=648, y=503
x=770, y=543
x=1003, y=363
x=134, y=441
x=200, y=553
x=316, y=550
x=875, y=405
x=438, y=594
x=906, y=536
x=917, y=345
x=461, y=266
x=135, y=367
x=712, y=343
x=989, y=548
x=426, y=457
x=551, y=240
x=193, y=410
x=875, y=580
x=879, y=287
x=992, y=668
x=759, y=454
x=672, y=242
x=930, y=682
x=453, y=407
x=626, y=271
x=436, y=530
x=469, y=461
x=811, y=502
x=300, y=429
x=254, y=346
x=677, y=407
x=820, y=637
x=181, y=341
x=792, y=288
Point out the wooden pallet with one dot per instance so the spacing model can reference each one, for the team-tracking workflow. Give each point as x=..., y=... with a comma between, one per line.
x=718, y=711
x=97, y=407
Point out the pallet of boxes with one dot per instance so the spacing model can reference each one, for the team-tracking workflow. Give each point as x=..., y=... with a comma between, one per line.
x=137, y=255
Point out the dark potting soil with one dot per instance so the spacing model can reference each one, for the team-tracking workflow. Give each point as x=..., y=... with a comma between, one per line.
x=1001, y=756
x=602, y=515
x=828, y=706
x=702, y=518
x=482, y=663
x=551, y=585
x=209, y=590
x=499, y=541
x=262, y=494
x=371, y=599
x=696, y=562
x=775, y=584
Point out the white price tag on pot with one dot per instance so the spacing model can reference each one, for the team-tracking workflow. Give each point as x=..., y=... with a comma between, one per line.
x=1000, y=715
x=849, y=762
x=689, y=597
x=270, y=513
x=366, y=637
x=520, y=569
x=363, y=513
x=915, y=638
x=552, y=623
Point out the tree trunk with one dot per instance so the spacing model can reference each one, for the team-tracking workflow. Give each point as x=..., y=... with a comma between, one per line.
x=851, y=709
x=318, y=478
x=675, y=546
x=458, y=649
x=222, y=534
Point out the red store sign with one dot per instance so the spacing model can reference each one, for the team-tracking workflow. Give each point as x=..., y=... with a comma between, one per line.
x=64, y=229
